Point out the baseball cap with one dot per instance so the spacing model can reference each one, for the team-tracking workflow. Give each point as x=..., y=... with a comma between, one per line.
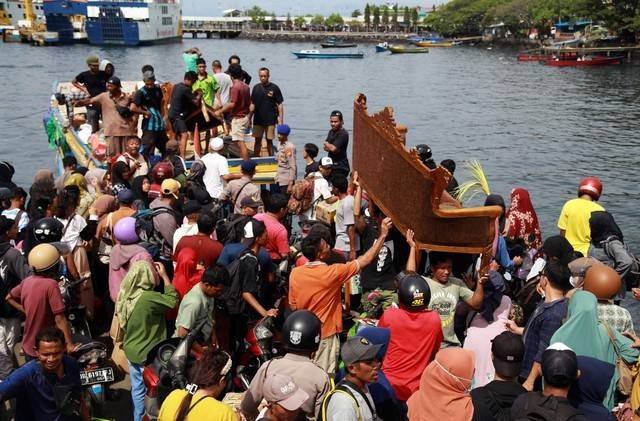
x=357, y=349
x=216, y=144
x=248, y=166
x=170, y=186
x=280, y=389
x=252, y=230
x=508, y=352
x=172, y=145
x=559, y=365
x=126, y=196
x=283, y=129
x=192, y=206
x=148, y=75
x=93, y=59
x=326, y=162
x=250, y=202
x=114, y=80
x=336, y=113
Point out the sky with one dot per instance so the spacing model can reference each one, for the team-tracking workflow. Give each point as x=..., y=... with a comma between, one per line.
x=282, y=7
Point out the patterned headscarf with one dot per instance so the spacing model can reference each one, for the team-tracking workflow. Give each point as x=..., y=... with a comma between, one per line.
x=522, y=220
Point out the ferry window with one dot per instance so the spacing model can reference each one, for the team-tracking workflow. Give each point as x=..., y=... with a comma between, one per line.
x=165, y=10
x=167, y=21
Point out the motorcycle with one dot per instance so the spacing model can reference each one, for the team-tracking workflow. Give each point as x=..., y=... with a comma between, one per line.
x=95, y=373
x=166, y=369
x=75, y=312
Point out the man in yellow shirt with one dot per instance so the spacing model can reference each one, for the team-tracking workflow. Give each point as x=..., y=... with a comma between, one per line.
x=574, y=217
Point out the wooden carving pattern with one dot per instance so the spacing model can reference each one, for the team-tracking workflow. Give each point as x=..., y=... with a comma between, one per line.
x=408, y=192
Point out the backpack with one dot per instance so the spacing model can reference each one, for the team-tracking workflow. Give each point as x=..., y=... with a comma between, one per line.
x=232, y=296
x=301, y=198
x=341, y=388
x=150, y=238
x=228, y=230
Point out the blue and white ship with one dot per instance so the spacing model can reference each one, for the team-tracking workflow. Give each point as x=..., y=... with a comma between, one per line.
x=133, y=22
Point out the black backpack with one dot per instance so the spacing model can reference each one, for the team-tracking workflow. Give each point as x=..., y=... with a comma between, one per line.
x=150, y=238
x=232, y=295
x=546, y=408
x=229, y=230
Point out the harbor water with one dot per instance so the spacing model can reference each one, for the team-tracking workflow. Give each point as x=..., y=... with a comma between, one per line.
x=531, y=126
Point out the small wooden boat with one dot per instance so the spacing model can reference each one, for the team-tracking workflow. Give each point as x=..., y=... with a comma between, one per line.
x=382, y=47
x=337, y=45
x=589, y=61
x=534, y=57
x=67, y=136
x=398, y=49
x=319, y=54
x=434, y=44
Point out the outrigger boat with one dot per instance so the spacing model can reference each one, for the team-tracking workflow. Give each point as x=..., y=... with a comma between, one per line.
x=334, y=43
x=443, y=44
x=319, y=54
x=68, y=135
x=382, y=47
x=534, y=57
x=398, y=49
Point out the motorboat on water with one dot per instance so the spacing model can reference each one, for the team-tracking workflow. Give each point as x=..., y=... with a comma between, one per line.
x=322, y=54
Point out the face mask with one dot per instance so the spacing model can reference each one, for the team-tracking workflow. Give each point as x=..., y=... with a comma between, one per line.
x=576, y=281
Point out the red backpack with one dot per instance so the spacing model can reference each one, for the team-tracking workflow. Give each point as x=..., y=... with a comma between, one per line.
x=301, y=196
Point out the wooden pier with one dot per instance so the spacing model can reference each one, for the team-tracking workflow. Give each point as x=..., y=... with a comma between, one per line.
x=627, y=51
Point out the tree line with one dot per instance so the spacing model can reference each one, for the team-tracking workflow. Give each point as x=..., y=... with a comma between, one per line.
x=376, y=18
x=469, y=17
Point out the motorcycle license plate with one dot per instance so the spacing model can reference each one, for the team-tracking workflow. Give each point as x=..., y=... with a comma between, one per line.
x=102, y=375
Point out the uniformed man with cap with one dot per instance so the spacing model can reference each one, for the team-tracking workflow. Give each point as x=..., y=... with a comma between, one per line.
x=301, y=337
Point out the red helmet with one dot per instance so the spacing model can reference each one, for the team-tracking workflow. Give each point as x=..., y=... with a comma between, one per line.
x=591, y=186
x=161, y=171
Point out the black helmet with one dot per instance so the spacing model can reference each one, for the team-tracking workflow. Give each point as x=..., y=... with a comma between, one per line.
x=301, y=332
x=424, y=151
x=414, y=293
x=48, y=230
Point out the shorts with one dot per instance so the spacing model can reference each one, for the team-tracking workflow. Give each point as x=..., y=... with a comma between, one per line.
x=327, y=355
x=115, y=144
x=259, y=130
x=154, y=139
x=239, y=126
x=179, y=126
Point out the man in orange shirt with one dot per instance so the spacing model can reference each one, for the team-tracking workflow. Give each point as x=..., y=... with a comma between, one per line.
x=316, y=286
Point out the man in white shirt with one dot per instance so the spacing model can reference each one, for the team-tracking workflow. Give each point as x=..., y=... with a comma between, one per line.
x=224, y=82
x=217, y=169
x=321, y=190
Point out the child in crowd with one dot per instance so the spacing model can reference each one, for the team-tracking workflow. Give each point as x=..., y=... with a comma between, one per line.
x=310, y=154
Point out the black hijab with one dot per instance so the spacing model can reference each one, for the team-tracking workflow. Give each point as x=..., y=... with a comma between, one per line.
x=557, y=247
x=603, y=227
x=497, y=200
x=136, y=187
x=6, y=174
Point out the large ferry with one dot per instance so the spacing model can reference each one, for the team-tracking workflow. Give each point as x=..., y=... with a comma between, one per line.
x=67, y=18
x=133, y=22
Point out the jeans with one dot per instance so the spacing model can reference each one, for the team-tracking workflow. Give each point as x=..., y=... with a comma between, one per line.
x=138, y=390
x=9, y=334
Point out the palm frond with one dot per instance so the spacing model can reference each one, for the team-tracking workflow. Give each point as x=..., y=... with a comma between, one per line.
x=478, y=183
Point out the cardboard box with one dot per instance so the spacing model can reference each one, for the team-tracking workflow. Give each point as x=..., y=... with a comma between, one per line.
x=326, y=212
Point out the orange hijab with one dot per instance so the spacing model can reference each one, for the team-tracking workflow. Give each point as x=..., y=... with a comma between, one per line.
x=444, y=388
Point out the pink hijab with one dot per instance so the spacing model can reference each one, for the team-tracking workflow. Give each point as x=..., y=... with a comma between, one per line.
x=479, y=336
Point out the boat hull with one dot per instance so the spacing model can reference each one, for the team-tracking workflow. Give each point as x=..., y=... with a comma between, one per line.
x=408, y=50
x=534, y=57
x=596, y=61
x=329, y=55
x=430, y=44
x=337, y=45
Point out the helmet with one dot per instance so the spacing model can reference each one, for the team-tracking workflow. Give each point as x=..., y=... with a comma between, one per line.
x=301, y=332
x=424, y=151
x=125, y=230
x=414, y=293
x=161, y=171
x=48, y=230
x=591, y=186
x=43, y=257
x=602, y=281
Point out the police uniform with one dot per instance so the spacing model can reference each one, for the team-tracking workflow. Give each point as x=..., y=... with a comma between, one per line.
x=304, y=372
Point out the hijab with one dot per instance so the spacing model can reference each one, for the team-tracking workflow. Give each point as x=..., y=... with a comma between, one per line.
x=136, y=187
x=603, y=228
x=105, y=204
x=522, y=220
x=187, y=274
x=444, y=388
x=497, y=200
x=139, y=279
x=6, y=174
x=86, y=198
x=493, y=291
x=103, y=64
x=96, y=174
x=43, y=187
x=590, y=390
x=480, y=333
x=44, y=176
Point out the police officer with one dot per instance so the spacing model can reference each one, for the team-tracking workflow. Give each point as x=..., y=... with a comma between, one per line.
x=301, y=337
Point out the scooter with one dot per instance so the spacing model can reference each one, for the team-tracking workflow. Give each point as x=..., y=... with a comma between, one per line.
x=166, y=369
x=95, y=372
x=75, y=312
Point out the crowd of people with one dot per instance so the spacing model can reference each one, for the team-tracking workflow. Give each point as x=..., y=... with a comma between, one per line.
x=371, y=327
